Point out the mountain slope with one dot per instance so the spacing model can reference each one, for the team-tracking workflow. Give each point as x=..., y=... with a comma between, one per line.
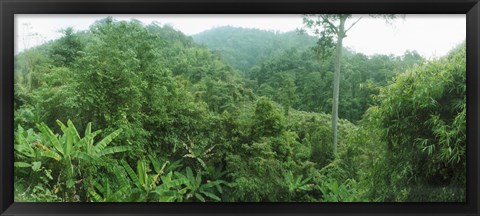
x=244, y=47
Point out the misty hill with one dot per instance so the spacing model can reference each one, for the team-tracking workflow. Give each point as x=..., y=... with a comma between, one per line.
x=244, y=47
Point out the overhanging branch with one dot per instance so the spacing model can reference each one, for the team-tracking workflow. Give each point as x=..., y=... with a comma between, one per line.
x=353, y=24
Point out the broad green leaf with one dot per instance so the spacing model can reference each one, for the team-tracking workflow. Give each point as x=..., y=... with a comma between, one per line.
x=219, y=188
x=74, y=130
x=141, y=173
x=36, y=166
x=155, y=163
x=198, y=180
x=21, y=164
x=121, y=176
x=87, y=141
x=63, y=127
x=48, y=173
x=183, y=191
x=70, y=183
x=99, y=187
x=202, y=163
x=112, y=150
x=51, y=154
x=211, y=184
x=68, y=166
x=107, y=189
x=200, y=197
x=86, y=157
x=51, y=137
x=131, y=173
x=211, y=195
x=95, y=196
x=105, y=141
x=88, y=129
x=190, y=176
x=69, y=144
x=119, y=194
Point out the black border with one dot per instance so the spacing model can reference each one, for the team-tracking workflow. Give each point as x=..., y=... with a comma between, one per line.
x=10, y=7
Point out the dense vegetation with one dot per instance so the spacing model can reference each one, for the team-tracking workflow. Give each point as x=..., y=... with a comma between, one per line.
x=243, y=48
x=125, y=112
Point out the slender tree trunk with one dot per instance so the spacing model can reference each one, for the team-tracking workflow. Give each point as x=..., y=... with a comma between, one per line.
x=354, y=89
x=336, y=81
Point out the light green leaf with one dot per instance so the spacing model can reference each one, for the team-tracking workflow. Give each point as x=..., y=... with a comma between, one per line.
x=70, y=183
x=69, y=144
x=105, y=141
x=21, y=164
x=74, y=130
x=51, y=154
x=52, y=138
x=36, y=166
x=141, y=173
x=95, y=196
x=113, y=150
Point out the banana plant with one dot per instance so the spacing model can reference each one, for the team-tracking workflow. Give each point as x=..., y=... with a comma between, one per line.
x=23, y=143
x=170, y=190
x=160, y=164
x=333, y=191
x=296, y=185
x=194, y=188
x=27, y=160
x=102, y=192
x=25, y=153
x=177, y=187
x=71, y=145
x=144, y=182
x=69, y=149
x=198, y=152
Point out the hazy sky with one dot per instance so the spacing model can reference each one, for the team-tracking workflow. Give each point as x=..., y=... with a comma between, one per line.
x=430, y=35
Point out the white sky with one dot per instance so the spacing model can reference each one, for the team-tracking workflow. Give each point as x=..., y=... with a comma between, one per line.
x=431, y=35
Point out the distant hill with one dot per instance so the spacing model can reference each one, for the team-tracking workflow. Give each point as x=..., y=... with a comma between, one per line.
x=242, y=48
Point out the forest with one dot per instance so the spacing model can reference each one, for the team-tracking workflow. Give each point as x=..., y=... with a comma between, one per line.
x=134, y=112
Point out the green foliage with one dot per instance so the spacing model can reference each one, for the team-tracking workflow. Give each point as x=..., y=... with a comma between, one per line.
x=144, y=182
x=333, y=191
x=72, y=159
x=242, y=48
x=430, y=154
x=295, y=185
x=196, y=190
x=296, y=79
x=181, y=125
x=267, y=120
x=67, y=48
x=106, y=193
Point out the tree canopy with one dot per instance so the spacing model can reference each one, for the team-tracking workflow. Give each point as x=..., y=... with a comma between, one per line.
x=128, y=112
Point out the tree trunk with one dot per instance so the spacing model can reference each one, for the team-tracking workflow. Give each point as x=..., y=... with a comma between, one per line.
x=336, y=81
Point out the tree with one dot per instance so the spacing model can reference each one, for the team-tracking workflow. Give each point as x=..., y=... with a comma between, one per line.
x=66, y=49
x=431, y=152
x=328, y=27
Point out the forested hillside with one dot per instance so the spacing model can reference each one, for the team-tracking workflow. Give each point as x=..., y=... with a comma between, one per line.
x=243, y=48
x=128, y=112
x=286, y=68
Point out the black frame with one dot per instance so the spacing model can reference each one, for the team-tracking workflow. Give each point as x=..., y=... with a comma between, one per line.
x=10, y=7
